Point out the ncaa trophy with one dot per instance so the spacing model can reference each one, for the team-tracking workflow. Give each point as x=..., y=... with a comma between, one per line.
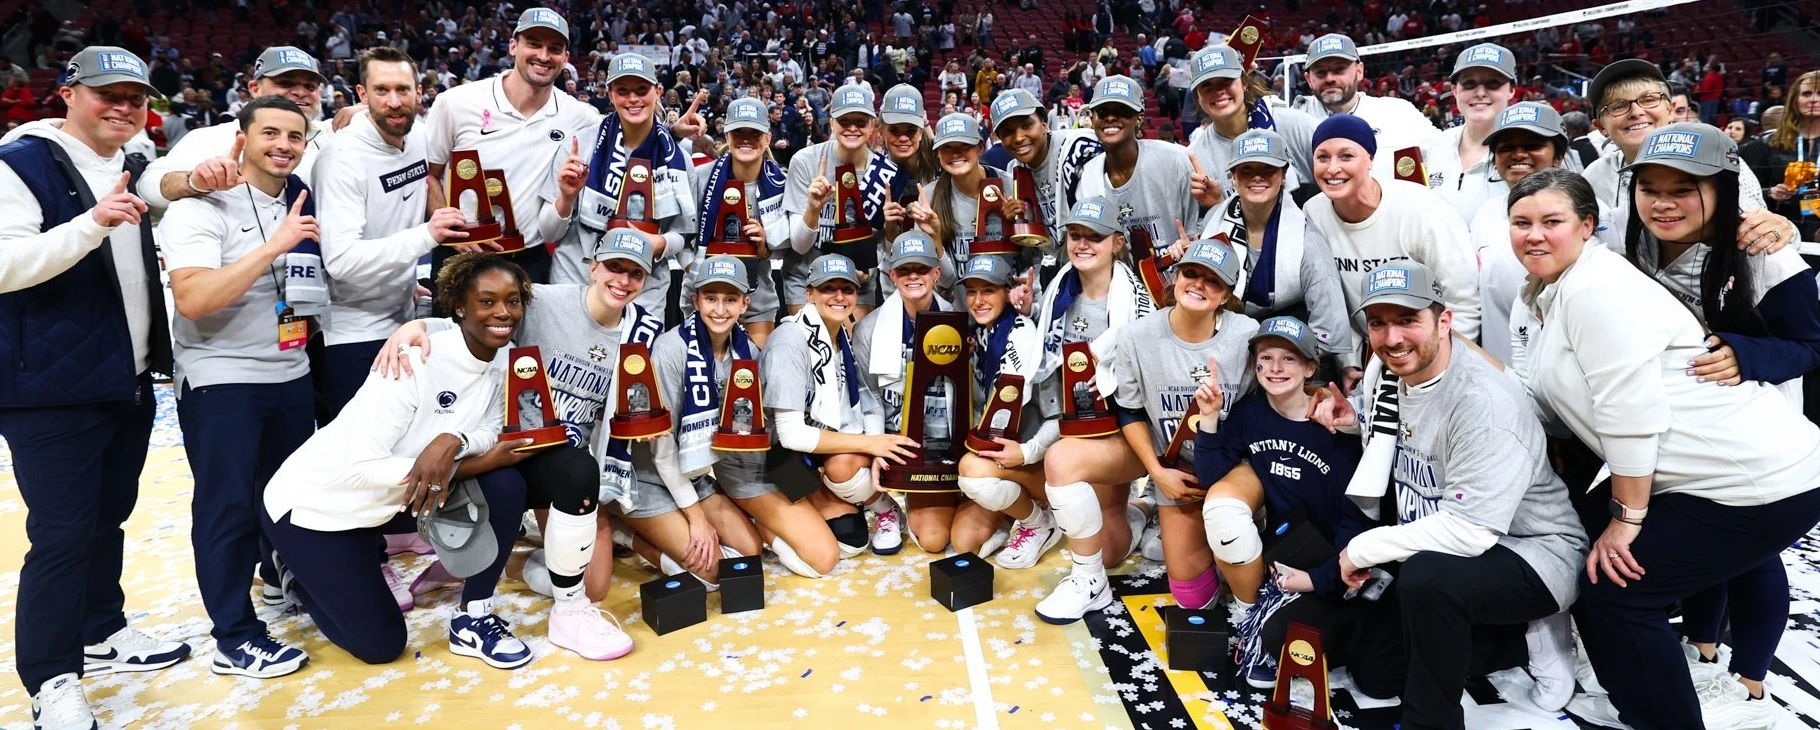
x=742, y=412
x=530, y=411
x=1304, y=660
x=1084, y=412
x=640, y=412
x=989, y=234
x=727, y=234
x=467, y=190
x=1002, y=415
x=634, y=207
x=939, y=351
x=1172, y=456
x=1028, y=229
x=500, y=198
x=1409, y=167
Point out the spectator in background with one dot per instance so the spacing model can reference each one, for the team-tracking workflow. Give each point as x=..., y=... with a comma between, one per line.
x=953, y=80
x=1028, y=80
x=17, y=106
x=1775, y=72
x=1710, y=92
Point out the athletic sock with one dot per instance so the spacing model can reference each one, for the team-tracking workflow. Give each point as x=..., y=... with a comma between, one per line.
x=1090, y=565
x=568, y=543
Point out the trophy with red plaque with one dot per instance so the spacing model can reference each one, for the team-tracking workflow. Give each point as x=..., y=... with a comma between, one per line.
x=530, y=411
x=1002, y=415
x=500, y=198
x=1084, y=412
x=1409, y=166
x=634, y=208
x=1028, y=229
x=640, y=412
x=727, y=233
x=1302, y=660
x=989, y=234
x=938, y=351
x=742, y=412
x=1172, y=456
x=467, y=190
x=1248, y=39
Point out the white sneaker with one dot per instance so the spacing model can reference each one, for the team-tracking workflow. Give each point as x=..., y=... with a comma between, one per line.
x=401, y=590
x=888, y=533
x=62, y=705
x=1072, y=598
x=1725, y=704
x=130, y=650
x=271, y=595
x=1703, y=671
x=1596, y=709
x=1029, y=544
x=999, y=537
x=581, y=628
x=537, y=574
x=1551, y=661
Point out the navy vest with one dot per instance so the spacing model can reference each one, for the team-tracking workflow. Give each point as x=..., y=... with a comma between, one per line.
x=65, y=341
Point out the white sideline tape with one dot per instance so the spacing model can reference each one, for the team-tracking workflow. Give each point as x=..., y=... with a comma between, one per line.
x=985, y=713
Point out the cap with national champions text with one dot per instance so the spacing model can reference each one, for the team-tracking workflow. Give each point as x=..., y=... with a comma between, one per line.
x=103, y=65
x=542, y=18
x=280, y=60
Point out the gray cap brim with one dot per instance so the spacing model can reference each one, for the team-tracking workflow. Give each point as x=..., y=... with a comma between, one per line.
x=1100, y=101
x=611, y=254
x=1556, y=136
x=646, y=75
x=762, y=126
x=1406, y=301
x=460, y=532
x=1307, y=350
x=1218, y=73
x=996, y=278
x=902, y=118
x=819, y=278
x=1691, y=167
x=106, y=79
x=1091, y=223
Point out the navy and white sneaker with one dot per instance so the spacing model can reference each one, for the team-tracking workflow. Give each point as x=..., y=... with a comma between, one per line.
x=130, y=650
x=62, y=705
x=1262, y=673
x=478, y=633
x=261, y=658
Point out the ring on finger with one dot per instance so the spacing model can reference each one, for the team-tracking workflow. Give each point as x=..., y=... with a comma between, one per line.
x=1612, y=554
x=438, y=488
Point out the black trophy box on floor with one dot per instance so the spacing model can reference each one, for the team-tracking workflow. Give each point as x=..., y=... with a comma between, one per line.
x=1196, y=639
x=1302, y=548
x=961, y=581
x=673, y=602
x=851, y=529
x=742, y=585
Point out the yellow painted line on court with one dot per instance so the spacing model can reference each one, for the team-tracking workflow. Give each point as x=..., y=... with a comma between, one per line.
x=1189, y=686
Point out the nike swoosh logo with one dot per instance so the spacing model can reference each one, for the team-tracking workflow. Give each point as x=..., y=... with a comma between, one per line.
x=1228, y=542
x=112, y=653
x=587, y=547
x=248, y=229
x=485, y=132
x=407, y=196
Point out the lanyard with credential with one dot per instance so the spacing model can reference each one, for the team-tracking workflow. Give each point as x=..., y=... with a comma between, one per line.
x=293, y=331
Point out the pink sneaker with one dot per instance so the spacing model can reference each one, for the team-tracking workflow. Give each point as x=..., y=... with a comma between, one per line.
x=407, y=543
x=400, y=592
x=432, y=578
x=580, y=627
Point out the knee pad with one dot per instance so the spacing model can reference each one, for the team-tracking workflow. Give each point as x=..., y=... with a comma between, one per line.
x=992, y=493
x=857, y=490
x=1076, y=508
x=1230, y=530
x=572, y=477
x=851, y=534
x=788, y=557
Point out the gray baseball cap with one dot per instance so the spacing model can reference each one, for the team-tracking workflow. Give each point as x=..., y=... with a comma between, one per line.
x=1259, y=145
x=279, y=60
x=989, y=269
x=1118, y=90
x=459, y=531
x=1486, y=55
x=1095, y=213
x=958, y=127
x=722, y=269
x=1011, y=104
x=628, y=244
x=631, y=64
x=1539, y=119
x=1287, y=328
x=904, y=105
x=103, y=65
x=542, y=18
x=1216, y=62
x=852, y=98
x=831, y=267
x=1695, y=148
x=913, y=247
x=1332, y=45
x=748, y=113
x=1215, y=257
x=1406, y=284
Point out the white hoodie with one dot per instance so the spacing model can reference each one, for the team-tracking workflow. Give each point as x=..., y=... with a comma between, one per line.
x=29, y=257
x=370, y=204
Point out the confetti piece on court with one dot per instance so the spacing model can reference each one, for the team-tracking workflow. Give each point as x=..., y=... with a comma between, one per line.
x=806, y=672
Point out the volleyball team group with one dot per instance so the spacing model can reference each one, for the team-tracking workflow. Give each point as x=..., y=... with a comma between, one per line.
x=1541, y=406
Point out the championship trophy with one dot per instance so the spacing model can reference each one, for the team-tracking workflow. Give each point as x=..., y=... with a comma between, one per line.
x=1028, y=229
x=727, y=235
x=1002, y=414
x=1151, y=265
x=467, y=190
x=1172, y=456
x=634, y=208
x=1247, y=39
x=510, y=239
x=530, y=411
x=938, y=351
x=1302, y=659
x=1084, y=412
x=989, y=222
x=742, y=412
x=640, y=412
x=850, y=223
x=1409, y=166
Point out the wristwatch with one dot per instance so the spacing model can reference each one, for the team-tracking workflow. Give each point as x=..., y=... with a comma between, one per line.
x=1624, y=513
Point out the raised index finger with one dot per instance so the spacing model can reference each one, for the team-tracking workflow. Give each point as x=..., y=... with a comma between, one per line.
x=1192, y=160
x=239, y=144
x=696, y=102
x=297, y=207
x=120, y=187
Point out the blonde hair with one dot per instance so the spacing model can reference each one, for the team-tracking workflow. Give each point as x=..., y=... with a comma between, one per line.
x=1792, y=119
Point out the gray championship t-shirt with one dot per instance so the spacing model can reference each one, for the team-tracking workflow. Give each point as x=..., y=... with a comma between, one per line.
x=1156, y=196
x=785, y=371
x=579, y=355
x=1471, y=446
x=1158, y=372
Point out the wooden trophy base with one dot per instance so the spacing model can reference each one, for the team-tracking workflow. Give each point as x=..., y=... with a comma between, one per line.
x=478, y=233
x=645, y=226
x=742, y=250
x=1029, y=234
x=993, y=248
x=728, y=441
x=977, y=443
x=1089, y=427
x=655, y=423
x=1290, y=717
x=510, y=243
x=925, y=477
x=1150, y=270
x=541, y=438
x=853, y=234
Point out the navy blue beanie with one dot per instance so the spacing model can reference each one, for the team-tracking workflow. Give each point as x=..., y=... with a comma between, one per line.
x=1347, y=126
